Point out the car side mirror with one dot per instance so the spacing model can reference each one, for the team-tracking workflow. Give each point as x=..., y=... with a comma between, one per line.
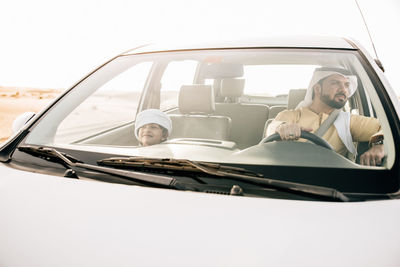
x=21, y=120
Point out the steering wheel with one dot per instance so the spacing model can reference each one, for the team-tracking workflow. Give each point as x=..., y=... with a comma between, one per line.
x=306, y=135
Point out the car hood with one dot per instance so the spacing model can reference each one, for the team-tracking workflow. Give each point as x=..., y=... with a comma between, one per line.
x=54, y=221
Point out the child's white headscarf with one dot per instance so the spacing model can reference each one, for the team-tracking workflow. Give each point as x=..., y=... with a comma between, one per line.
x=152, y=116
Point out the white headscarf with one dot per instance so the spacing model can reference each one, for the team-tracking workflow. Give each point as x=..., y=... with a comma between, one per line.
x=342, y=122
x=152, y=116
x=322, y=73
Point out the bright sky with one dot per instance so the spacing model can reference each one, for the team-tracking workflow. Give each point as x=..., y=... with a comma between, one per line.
x=52, y=44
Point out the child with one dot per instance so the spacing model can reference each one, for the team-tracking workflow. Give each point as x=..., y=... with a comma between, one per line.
x=152, y=127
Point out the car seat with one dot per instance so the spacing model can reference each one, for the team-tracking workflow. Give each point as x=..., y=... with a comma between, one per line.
x=247, y=118
x=196, y=118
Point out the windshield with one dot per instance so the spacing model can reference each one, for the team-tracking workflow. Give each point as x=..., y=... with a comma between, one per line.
x=215, y=106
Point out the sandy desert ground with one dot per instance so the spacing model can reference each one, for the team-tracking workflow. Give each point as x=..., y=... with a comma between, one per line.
x=15, y=101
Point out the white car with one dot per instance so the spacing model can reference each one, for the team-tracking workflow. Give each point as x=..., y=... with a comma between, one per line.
x=77, y=188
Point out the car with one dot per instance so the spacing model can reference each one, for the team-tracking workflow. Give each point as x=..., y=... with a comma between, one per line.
x=77, y=188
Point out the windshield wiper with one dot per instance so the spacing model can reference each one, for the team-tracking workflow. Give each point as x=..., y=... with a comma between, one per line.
x=178, y=164
x=216, y=169
x=72, y=163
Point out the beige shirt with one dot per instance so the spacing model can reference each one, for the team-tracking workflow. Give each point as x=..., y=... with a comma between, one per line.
x=361, y=128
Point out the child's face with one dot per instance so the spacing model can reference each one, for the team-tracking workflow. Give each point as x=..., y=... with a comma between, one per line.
x=150, y=134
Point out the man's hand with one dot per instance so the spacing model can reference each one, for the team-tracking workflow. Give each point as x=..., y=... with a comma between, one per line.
x=373, y=156
x=291, y=131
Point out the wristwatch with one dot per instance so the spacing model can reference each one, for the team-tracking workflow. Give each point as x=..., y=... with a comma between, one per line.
x=376, y=140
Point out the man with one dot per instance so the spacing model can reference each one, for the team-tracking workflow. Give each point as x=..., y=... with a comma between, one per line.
x=152, y=127
x=329, y=90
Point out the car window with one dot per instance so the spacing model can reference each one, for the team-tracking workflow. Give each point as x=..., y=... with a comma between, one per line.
x=273, y=80
x=112, y=104
x=229, y=98
x=176, y=74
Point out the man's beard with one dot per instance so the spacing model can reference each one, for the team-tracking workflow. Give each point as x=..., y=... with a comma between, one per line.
x=332, y=103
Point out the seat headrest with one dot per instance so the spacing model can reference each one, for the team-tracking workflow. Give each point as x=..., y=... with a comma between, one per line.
x=196, y=99
x=232, y=87
x=295, y=97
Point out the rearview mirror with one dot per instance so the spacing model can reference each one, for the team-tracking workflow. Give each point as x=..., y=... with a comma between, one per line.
x=222, y=70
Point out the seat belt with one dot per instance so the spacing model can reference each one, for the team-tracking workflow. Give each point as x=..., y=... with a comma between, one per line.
x=327, y=123
x=325, y=126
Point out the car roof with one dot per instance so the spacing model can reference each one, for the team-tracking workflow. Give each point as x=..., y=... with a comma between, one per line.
x=327, y=42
